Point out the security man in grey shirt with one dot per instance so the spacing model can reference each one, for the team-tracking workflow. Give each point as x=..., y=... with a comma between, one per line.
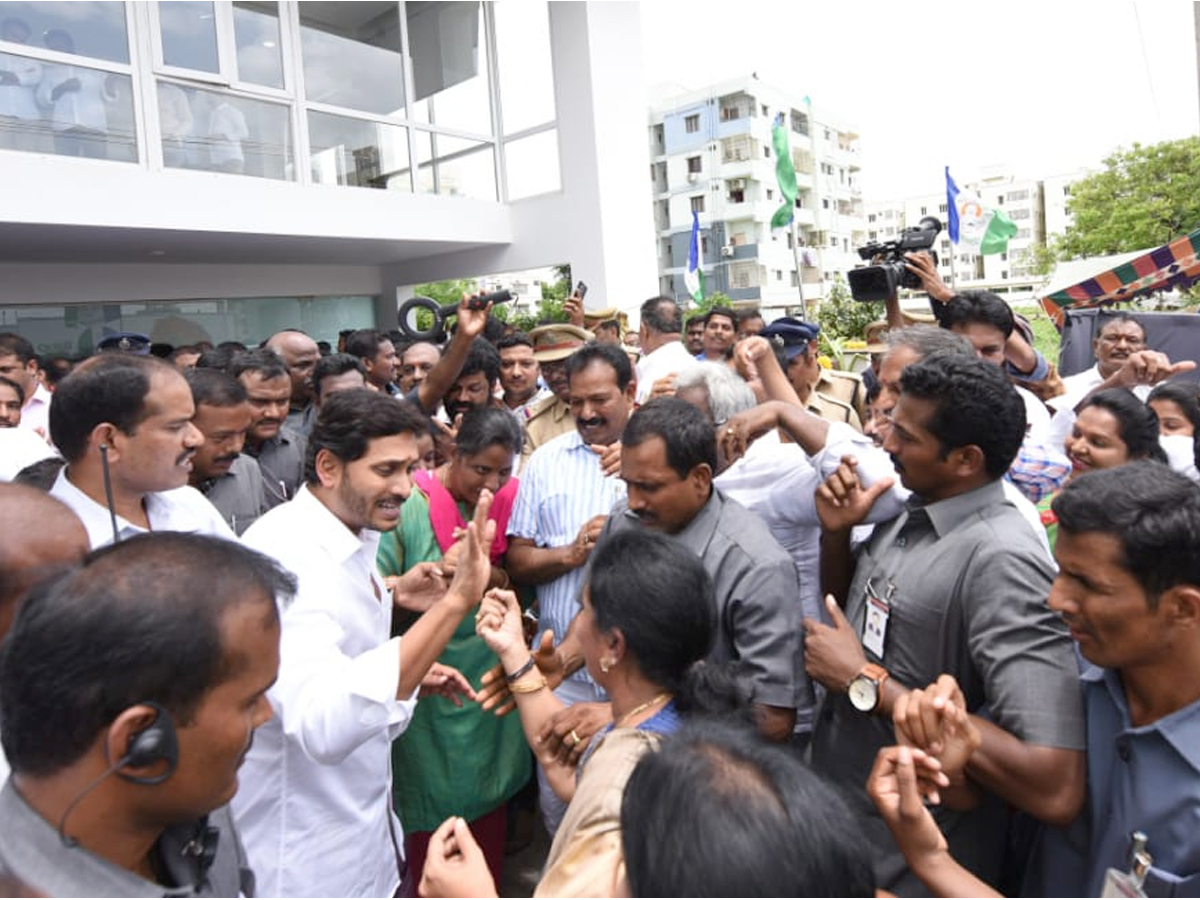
x=131, y=688
x=955, y=584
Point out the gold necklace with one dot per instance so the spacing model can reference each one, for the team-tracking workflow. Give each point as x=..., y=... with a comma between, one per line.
x=665, y=695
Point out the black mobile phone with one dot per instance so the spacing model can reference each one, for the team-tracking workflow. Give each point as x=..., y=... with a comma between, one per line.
x=580, y=290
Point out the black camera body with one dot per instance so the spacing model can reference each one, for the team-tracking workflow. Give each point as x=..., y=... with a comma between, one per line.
x=882, y=280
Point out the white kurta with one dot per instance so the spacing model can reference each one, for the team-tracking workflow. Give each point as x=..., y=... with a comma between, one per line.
x=314, y=804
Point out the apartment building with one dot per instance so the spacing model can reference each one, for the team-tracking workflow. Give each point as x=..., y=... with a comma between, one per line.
x=711, y=153
x=218, y=170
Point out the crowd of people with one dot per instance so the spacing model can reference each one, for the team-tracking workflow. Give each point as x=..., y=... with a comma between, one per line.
x=295, y=620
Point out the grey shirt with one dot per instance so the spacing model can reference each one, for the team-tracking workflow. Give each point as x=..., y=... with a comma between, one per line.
x=239, y=495
x=967, y=583
x=32, y=852
x=281, y=459
x=758, y=596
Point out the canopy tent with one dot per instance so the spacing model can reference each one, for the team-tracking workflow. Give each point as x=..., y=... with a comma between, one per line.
x=1169, y=266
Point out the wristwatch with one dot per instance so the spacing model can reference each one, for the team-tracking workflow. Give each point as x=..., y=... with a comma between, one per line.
x=866, y=688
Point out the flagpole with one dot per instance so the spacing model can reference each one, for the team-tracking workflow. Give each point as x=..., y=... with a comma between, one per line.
x=797, y=258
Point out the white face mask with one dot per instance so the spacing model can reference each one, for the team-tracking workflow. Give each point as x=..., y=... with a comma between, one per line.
x=1181, y=454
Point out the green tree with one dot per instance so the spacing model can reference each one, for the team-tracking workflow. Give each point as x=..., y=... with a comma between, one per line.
x=843, y=318
x=445, y=292
x=561, y=289
x=1146, y=196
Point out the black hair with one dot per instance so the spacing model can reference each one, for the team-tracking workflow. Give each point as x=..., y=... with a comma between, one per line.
x=1151, y=509
x=336, y=364
x=113, y=388
x=57, y=368
x=8, y=382
x=138, y=621
x=722, y=311
x=609, y=325
x=218, y=358
x=182, y=351
x=976, y=307
x=662, y=315
x=1138, y=423
x=265, y=362
x=41, y=474
x=686, y=431
x=14, y=345
x=608, y=354
x=349, y=420
x=482, y=357
x=364, y=343
x=514, y=339
x=214, y=388
x=1186, y=396
x=1104, y=321
x=745, y=315
x=974, y=403
x=670, y=637
x=483, y=426
x=718, y=811
x=873, y=392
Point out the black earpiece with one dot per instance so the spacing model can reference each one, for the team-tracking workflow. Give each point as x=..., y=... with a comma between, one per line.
x=154, y=743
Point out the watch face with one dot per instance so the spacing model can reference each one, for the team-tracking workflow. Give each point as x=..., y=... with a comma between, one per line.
x=863, y=693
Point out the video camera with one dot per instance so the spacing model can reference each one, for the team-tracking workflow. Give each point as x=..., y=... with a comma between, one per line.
x=880, y=281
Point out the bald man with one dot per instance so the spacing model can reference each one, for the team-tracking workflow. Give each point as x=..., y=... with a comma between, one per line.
x=300, y=354
x=29, y=554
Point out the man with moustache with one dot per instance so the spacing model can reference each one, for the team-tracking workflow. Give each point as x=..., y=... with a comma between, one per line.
x=551, y=416
x=315, y=805
x=230, y=480
x=720, y=332
x=278, y=449
x=475, y=385
x=519, y=373
x=562, y=503
x=955, y=584
x=124, y=425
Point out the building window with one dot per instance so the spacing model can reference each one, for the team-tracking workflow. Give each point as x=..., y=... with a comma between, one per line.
x=770, y=193
x=795, y=278
x=833, y=241
x=924, y=210
x=691, y=124
x=799, y=122
x=871, y=218
x=693, y=164
x=736, y=195
x=1004, y=257
x=765, y=111
x=698, y=204
x=704, y=245
x=779, y=274
x=942, y=207
x=767, y=151
x=825, y=203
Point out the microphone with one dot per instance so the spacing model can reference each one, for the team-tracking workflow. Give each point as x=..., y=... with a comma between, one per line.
x=108, y=493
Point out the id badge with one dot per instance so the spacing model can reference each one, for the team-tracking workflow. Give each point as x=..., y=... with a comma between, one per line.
x=876, y=621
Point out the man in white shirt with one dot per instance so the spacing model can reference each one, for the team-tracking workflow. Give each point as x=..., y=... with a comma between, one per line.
x=19, y=363
x=1122, y=360
x=315, y=803
x=124, y=425
x=661, y=339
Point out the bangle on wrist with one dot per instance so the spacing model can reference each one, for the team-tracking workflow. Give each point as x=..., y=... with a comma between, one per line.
x=529, y=664
x=529, y=686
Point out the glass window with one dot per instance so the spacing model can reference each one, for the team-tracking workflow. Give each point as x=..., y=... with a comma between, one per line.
x=533, y=165
x=352, y=56
x=256, y=34
x=525, y=72
x=224, y=133
x=463, y=167
x=74, y=330
x=358, y=152
x=449, y=60
x=189, y=35
x=66, y=110
x=88, y=29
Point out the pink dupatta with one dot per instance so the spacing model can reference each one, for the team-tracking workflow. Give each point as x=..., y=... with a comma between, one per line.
x=445, y=517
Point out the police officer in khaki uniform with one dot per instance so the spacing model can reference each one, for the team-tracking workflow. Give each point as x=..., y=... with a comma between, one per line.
x=550, y=417
x=795, y=344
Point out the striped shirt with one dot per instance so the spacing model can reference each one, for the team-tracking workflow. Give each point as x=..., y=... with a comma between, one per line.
x=562, y=487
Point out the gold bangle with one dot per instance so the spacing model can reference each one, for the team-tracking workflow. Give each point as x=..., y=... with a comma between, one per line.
x=528, y=687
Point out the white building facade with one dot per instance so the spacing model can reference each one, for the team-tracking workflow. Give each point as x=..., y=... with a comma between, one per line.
x=711, y=152
x=219, y=170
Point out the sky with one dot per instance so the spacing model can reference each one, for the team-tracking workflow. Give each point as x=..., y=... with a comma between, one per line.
x=1037, y=89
